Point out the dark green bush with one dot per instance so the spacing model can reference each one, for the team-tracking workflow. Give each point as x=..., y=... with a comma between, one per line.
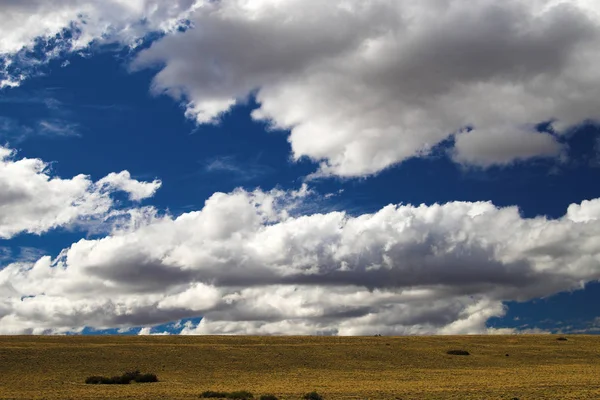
x=124, y=379
x=561, y=338
x=268, y=397
x=146, y=378
x=130, y=375
x=97, y=380
x=458, y=352
x=120, y=380
x=312, y=396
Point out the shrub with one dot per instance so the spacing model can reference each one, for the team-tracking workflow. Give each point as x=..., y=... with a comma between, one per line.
x=146, y=378
x=562, y=338
x=458, y=352
x=240, y=395
x=130, y=375
x=312, y=396
x=97, y=380
x=120, y=380
x=124, y=379
x=103, y=380
x=268, y=397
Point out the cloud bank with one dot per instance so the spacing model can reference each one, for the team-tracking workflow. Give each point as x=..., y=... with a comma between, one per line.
x=248, y=263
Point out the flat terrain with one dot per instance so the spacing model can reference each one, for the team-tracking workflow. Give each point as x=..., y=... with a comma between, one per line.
x=538, y=367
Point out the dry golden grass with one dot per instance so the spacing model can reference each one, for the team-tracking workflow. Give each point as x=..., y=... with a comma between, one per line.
x=539, y=367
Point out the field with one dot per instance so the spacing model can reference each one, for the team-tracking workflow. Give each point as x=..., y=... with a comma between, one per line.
x=537, y=367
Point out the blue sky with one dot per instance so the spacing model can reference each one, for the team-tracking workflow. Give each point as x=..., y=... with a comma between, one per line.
x=310, y=188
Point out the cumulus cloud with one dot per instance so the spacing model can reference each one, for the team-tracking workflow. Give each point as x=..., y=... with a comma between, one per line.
x=248, y=262
x=365, y=85
x=135, y=189
x=34, y=201
x=145, y=331
x=502, y=147
x=360, y=85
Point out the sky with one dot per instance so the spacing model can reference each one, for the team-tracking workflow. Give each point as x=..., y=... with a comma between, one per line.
x=299, y=167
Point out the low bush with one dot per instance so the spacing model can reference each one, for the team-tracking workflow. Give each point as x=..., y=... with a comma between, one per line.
x=97, y=380
x=312, y=396
x=125, y=379
x=146, y=378
x=268, y=397
x=120, y=380
x=130, y=375
x=458, y=353
x=562, y=339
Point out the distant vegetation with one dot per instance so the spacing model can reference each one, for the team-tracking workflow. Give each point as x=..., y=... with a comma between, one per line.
x=268, y=397
x=458, y=352
x=240, y=395
x=312, y=396
x=561, y=338
x=125, y=379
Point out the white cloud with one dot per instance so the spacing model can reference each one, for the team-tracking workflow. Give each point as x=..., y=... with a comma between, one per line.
x=34, y=201
x=148, y=331
x=503, y=146
x=588, y=210
x=361, y=85
x=248, y=263
x=122, y=181
x=25, y=22
x=365, y=85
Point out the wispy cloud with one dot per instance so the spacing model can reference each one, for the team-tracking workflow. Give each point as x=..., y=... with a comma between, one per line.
x=240, y=170
x=47, y=98
x=14, y=131
x=589, y=327
x=57, y=127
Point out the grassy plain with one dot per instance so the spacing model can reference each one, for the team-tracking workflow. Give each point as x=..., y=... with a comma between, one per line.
x=538, y=367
